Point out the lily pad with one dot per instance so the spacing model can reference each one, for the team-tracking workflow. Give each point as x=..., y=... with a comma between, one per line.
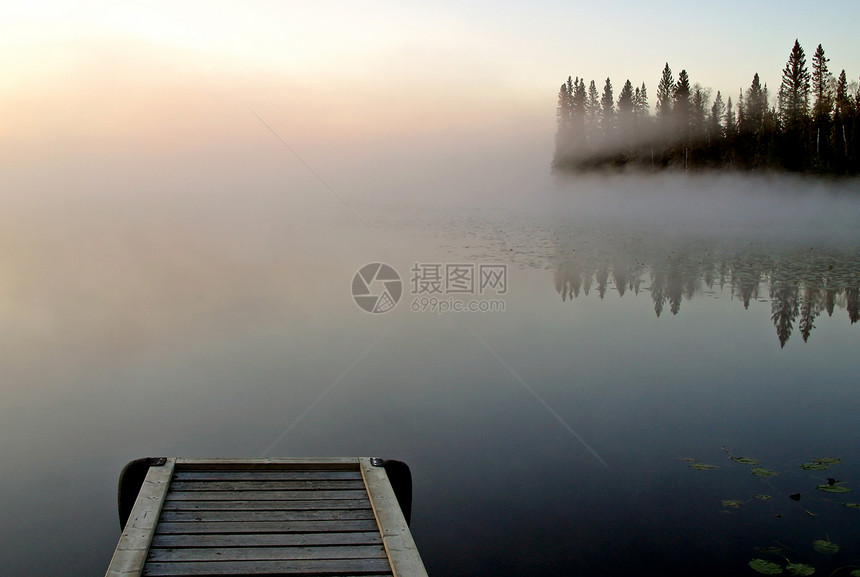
x=704, y=467
x=734, y=503
x=762, y=497
x=855, y=573
x=762, y=472
x=825, y=547
x=814, y=466
x=833, y=488
x=745, y=460
x=827, y=461
x=800, y=569
x=771, y=549
x=853, y=505
x=765, y=567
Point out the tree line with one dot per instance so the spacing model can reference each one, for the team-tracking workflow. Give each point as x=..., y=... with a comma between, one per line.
x=812, y=126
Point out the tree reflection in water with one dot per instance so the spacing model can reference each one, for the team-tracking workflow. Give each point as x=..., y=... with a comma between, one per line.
x=799, y=283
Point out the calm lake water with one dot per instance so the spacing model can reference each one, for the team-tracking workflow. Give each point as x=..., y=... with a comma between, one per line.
x=648, y=324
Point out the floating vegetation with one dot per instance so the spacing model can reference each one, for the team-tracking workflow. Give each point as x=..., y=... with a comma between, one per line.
x=833, y=488
x=765, y=567
x=820, y=464
x=745, y=460
x=800, y=569
x=703, y=466
x=828, y=461
x=825, y=547
x=781, y=564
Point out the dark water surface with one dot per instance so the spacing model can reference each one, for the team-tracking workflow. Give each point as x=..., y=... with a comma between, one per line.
x=646, y=324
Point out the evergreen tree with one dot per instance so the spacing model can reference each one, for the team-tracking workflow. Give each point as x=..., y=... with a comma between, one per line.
x=607, y=109
x=643, y=109
x=821, y=81
x=718, y=110
x=626, y=104
x=665, y=89
x=794, y=91
x=593, y=116
x=563, y=119
x=755, y=107
x=822, y=106
x=731, y=121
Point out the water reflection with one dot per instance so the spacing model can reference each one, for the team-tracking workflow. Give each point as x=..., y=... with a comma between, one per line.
x=800, y=283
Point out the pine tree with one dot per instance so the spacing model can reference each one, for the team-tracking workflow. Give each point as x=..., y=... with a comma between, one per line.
x=607, y=109
x=731, y=121
x=626, y=103
x=643, y=108
x=715, y=127
x=563, y=119
x=755, y=107
x=665, y=89
x=794, y=91
x=821, y=81
x=593, y=114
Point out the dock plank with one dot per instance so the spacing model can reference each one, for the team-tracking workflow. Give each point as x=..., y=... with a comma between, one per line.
x=267, y=540
x=270, y=475
x=267, y=527
x=280, y=516
x=241, y=505
x=294, y=485
x=266, y=553
x=286, y=567
x=264, y=495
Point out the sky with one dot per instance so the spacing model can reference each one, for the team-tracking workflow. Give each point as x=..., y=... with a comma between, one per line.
x=200, y=84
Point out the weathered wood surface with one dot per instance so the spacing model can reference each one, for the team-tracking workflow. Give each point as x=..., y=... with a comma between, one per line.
x=130, y=554
x=281, y=567
x=269, y=517
x=399, y=545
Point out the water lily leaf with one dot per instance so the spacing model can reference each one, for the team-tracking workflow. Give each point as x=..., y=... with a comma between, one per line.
x=689, y=459
x=833, y=488
x=762, y=497
x=704, y=467
x=827, y=461
x=855, y=573
x=745, y=460
x=765, y=567
x=814, y=466
x=772, y=549
x=762, y=472
x=794, y=496
x=853, y=505
x=800, y=569
x=826, y=547
x=734, y=503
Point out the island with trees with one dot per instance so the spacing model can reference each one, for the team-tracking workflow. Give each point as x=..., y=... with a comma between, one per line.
x=810, y=127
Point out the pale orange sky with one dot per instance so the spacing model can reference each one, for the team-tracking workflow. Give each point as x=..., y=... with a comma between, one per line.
x=118, y=81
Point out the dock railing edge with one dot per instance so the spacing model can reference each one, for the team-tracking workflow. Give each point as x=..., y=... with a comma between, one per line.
x=403, y=555
x=130, y=554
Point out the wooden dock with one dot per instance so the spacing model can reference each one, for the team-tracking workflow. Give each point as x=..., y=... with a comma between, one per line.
x=266, y=517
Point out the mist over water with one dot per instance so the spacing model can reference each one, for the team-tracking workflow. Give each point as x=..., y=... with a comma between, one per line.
x=168, y=310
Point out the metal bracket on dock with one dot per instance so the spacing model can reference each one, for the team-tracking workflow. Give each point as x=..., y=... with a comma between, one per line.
x=377, y=461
